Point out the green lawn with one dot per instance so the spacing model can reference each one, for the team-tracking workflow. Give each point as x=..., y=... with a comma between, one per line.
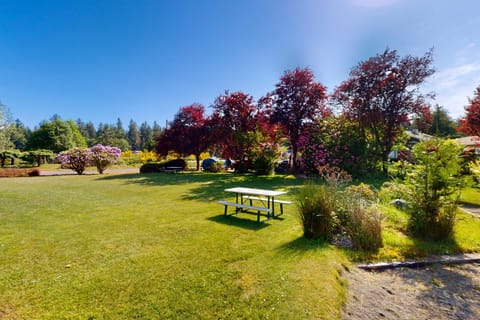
x=156, y=246
x=471, y=196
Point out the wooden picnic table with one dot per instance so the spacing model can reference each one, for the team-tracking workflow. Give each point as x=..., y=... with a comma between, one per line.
x=265, y=196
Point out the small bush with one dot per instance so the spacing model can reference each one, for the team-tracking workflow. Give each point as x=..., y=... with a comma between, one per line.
x=264, y=165
x=34, y=173
x=363, y=191
x=393, y=190
x=176, y=163
x=214, y=167
x=152, y=167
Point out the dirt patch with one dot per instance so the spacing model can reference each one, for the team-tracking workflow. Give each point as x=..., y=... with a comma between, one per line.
x=436, y=292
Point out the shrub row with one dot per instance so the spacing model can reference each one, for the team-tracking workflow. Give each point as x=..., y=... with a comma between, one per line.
x=15, y=172
x=153, y=167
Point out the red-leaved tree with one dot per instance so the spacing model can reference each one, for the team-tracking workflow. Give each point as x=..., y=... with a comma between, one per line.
x=234, y=116
x=381, y=93
x=470, y=124
x=188, y=133
x=296, y=101
x=422, y=121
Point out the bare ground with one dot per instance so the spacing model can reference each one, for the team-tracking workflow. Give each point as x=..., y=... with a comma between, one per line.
x=435, y=292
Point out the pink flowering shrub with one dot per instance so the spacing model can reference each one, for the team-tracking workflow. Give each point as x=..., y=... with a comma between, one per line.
x=334, y=141
x=104, y=156
x=100, y=156
x=76, y=159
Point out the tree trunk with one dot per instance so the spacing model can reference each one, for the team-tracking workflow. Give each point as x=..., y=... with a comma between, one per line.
x=294, y=157
x=197, y=157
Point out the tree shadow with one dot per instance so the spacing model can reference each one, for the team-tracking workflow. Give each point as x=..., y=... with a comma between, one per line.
x=238, y=222
x=210, y=186
x=159, y=179
x=301, y=245
x=214, y=189
x=448, y=287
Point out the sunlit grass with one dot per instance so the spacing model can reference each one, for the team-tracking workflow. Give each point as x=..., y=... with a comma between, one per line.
x=471, y=196
x=399, y=245
x=157, y=246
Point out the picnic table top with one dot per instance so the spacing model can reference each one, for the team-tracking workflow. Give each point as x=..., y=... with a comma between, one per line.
x=257, y=192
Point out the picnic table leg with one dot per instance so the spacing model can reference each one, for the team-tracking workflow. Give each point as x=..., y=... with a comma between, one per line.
x=273, y=206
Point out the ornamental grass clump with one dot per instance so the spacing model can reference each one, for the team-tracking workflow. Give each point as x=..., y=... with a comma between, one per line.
x=316, y=204
x=364, y=220
x=332, y=211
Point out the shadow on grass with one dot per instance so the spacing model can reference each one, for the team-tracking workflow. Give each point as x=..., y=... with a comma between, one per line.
x=300, y=246
x=235, y=221
x=210, y=186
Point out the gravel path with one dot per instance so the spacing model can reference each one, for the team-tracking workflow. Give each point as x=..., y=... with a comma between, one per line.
x=436, y=292
x=474, y=210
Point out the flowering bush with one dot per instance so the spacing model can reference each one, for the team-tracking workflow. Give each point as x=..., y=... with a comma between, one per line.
x=76, y=159
x=104, y=156
x=334, y=141
x=131, y=158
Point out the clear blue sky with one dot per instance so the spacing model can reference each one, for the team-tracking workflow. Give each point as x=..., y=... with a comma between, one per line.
x=143, y=60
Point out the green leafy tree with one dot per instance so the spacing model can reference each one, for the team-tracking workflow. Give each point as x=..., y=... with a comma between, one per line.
x=442, y=124
x=108, y=135
x=88, y=131
x=5, y=128
x=147, y=137
x=19, y=135
x=57, y=136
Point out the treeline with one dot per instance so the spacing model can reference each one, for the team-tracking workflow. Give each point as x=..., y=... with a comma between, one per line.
x=58, y=135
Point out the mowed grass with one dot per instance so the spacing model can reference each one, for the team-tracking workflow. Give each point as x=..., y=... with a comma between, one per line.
x=471, y=196
x=157, y=246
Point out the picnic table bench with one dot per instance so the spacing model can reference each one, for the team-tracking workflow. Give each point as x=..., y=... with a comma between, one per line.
x=240, y=206
x=173, y=169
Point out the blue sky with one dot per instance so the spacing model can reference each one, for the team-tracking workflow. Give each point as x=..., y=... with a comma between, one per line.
x=144, y=59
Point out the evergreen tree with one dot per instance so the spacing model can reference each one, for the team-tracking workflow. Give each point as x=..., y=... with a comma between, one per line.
x=133, y=136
